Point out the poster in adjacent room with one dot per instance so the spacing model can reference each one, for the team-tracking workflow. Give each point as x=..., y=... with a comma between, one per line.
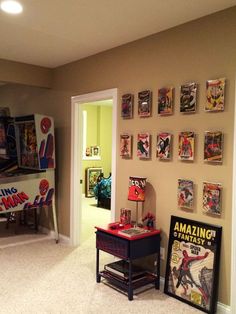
x=215, y=95
x=192, y=270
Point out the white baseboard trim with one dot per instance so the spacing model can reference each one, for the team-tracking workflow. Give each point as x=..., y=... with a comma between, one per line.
x=51, y=233
x=221, y=308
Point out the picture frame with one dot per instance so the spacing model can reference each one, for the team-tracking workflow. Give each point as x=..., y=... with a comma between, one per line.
x=143, y=145
x=91, y=177
x=95, y=151
x=185, y=194
x=165, y=101
x=186, y=145
x=144, y=103
x=192, y=269
x=212, y=198
x=164, y=145
x=126, y=145
x=127, y=101
x=213, y=147
x=188, y=97
x=215, y=95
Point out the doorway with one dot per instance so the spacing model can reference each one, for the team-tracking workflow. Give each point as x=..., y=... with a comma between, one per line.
x=77, y=150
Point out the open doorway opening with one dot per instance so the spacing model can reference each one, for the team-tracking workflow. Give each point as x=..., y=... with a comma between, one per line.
x=96, y=166
x=94, y=151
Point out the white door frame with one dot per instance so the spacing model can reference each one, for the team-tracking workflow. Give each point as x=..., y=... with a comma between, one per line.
x=233, y=237
x=76, y=157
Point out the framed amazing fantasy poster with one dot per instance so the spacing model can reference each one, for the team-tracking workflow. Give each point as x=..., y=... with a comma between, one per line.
x=192, y=270
x=91, y=179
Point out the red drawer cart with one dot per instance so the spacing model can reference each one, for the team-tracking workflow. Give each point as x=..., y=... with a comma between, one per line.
x=128, y=249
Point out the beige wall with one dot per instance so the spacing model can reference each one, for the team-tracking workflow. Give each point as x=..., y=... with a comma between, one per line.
x=26, y=74
x=196, y=51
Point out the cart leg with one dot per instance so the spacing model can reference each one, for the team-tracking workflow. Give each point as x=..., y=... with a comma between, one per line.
x=98, y=276
x=55, y=220
x=157, y=281
x=130, y=287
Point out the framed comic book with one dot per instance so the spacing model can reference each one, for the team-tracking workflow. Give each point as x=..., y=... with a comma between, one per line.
x=127, y=101
x=126, y=145
x=212, y=198
x=213, y=146
x=192, y=269
x=143, y=145
x=185, y=194
x=165, y=101
x=188, y=98
x=215, y=95
x=144, y=103
x=164, y=145
x=186, y=145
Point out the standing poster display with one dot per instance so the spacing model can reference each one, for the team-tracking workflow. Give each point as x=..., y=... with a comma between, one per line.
x=31, y=183
x=192, y=269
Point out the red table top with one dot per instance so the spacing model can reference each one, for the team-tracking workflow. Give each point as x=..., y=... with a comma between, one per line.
x=116, y=232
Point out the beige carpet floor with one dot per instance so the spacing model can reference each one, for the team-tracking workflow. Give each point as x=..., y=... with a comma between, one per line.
x=45, y=277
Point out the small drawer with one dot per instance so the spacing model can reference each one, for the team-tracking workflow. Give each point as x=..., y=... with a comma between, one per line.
x=113, y=245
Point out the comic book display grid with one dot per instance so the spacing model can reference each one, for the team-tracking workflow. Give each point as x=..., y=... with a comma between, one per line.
x=192, y=270
x=213, y=140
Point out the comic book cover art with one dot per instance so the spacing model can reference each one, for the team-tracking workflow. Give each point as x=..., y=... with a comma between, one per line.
x=137, y=186
x=185, y=193
x=143, y=145
x=3, y=143
x=28, y=145
x=126, y=145
x=215, y=90
x=213, y=143
x=212, y=198
x=193, y=263
x=163, y=145
x=127, y=106
x=165, y=101
x=144, y=103
x=188, y=97
x=186, y=146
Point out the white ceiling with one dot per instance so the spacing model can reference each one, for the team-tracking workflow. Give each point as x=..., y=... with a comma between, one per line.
x=51, y=33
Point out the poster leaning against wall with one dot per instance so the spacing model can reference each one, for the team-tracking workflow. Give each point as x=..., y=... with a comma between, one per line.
x=192, y=269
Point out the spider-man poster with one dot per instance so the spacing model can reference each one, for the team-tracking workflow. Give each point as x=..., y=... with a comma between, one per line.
x=193, y=263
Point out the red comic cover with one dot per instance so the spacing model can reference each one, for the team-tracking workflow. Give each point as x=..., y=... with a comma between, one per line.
x=213, y=143
x=186, y=146
x=212, y=198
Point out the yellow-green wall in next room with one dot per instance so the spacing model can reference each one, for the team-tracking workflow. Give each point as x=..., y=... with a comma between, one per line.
x=99, y=133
